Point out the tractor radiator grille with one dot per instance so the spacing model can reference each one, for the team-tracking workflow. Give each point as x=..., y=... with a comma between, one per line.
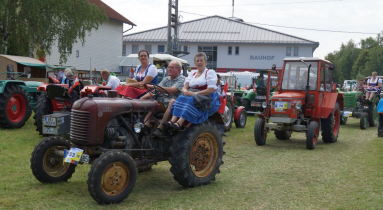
x=79, y=125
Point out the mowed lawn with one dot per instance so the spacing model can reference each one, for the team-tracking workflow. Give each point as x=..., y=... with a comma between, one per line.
x=280, y=175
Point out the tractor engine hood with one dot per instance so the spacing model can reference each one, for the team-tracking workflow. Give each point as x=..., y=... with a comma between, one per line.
x=90, y=116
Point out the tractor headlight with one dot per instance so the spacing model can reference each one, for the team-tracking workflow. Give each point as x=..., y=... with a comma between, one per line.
x=264, y=104
x=138, y=127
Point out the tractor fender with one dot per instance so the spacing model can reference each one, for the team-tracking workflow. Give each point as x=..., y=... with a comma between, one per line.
x=237, y=112
x=328, y=104
x=5, y=83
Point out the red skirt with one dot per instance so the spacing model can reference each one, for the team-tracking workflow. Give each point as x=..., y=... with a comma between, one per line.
x=129, y=91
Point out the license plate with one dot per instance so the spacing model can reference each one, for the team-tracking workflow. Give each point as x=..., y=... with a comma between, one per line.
x=73, y=155
x=280, y=106
x=49, y=121
x=50, y=130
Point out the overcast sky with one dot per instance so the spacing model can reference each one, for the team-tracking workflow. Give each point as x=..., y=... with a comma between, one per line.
x=336, y=15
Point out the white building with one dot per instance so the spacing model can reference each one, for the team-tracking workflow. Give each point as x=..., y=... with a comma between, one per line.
x=102, y=48
x=231, y=45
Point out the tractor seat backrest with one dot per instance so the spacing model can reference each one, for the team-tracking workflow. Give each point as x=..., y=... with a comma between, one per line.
x=57, y=92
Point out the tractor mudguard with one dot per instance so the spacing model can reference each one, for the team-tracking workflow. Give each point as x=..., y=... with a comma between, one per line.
x=237, y=112
x=4, y=83
x=328, y=104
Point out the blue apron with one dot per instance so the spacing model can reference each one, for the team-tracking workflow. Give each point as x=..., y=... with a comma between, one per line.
x=139, y=79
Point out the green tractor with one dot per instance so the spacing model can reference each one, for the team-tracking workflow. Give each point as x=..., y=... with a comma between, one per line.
x=17, y=99
x=355, y=105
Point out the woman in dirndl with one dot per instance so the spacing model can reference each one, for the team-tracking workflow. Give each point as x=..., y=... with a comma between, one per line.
x=201, y=81
x=144, y=74
x=373, y=86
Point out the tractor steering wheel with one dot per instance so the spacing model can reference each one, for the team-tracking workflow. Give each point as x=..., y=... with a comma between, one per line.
x=157, y=90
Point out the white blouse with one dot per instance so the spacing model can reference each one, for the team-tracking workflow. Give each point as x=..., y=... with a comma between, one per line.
x=208, y=77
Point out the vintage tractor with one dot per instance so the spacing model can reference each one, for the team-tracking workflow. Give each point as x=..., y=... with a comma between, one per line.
x=17, y=100
x=306, y=101
x=356, y=105
x=231, y=112
x=110, y=134
x=59, y=98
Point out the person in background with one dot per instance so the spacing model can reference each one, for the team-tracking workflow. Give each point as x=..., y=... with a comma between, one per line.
x=380, y=112
x=111, y=81
x=373, y=86
x=145, y=73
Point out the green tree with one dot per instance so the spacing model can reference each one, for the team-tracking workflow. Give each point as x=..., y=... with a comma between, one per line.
x=31, y=27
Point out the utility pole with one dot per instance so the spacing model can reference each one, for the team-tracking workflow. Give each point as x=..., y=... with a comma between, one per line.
x=232, y=11
x=173, y=27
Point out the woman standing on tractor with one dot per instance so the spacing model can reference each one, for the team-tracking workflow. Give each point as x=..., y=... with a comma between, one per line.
x=200, y=98
x=373, y=86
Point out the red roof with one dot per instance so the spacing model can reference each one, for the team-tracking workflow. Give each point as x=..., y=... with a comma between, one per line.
x=111, y=13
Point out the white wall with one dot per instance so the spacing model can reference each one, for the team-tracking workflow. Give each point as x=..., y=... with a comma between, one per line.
x=101, y=49
x=254, y=56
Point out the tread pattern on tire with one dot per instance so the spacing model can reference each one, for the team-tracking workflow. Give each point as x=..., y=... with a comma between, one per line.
x=259, y=132
x=43, y=107
x=179, y=158
x=8, y=92
x=37, y=160
x=310, y=134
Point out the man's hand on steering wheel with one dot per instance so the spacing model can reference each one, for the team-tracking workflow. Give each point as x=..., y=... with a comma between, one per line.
x=156, y=90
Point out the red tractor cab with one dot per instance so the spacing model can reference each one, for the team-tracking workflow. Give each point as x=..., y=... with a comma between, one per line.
x=306, y=100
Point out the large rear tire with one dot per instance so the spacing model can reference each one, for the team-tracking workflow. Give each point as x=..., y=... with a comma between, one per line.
x=363, y=123
x=43, y=107
x=47, y=160
x=112, y=177
x=196, y=155
x=260, y=132
x=372, y=114
x=331, y=125
x=312, y=135
x=228, y=115
x=14, y=107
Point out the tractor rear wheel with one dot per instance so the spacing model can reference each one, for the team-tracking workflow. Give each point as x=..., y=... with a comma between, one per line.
x=196, y=155
x=331, y=125
x=372, y=114
x=241, y=121
x=43, y=107
x=363, y=124
x=260, y=132
x=47, y=161
x=112, y=177
x=228, y=115
x=282, y=135
x=14, y=107
x=312, y=135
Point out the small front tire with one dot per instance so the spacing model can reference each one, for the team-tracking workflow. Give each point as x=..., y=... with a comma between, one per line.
x=260, y=132
x=312, y=135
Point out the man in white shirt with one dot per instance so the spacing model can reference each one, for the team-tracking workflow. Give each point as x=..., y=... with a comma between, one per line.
x=111, y=81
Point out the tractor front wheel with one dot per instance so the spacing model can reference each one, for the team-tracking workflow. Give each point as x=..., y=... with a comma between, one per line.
x=228, y=115
x=363, y=124
x=112, y=177
x=260, y=132
x=312, y=135
x=241, y=121
x=14, y=107
x=47, y=161
x=372, y=114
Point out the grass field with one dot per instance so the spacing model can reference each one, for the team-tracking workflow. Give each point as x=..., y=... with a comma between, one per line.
x=281, y=175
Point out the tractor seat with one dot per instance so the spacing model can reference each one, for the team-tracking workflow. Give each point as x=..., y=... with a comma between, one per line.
x=57, y=92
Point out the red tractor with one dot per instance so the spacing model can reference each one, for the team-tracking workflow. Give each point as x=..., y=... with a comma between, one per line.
x=306, y=101
x=110, y=133
x=56, y=97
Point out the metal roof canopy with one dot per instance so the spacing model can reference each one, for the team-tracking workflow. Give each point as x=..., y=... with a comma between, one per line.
x=132, y=59
x=26, y=61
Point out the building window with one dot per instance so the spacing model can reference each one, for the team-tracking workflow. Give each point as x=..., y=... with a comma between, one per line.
x=77, y=53
x=185, y=48
x=161, y=48
x=124, y=50
x=288, y=51
x=236, y=50
x=229, y=50
x=211, y=52
x=134, y=48
x=148, y=47
x=296, y=51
